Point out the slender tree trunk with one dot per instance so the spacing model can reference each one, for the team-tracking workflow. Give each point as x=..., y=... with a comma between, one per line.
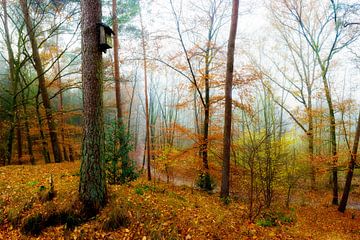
x=147, y=118
x=61, y=105
x=350, y=172
x=205, y=140
x=42, y=82
x=116, y=60
x=18, y=137
x=228, y=101
x=92, y=189
x=334, y=155
x=310, y=135
x=44, y=145
x=27, y=129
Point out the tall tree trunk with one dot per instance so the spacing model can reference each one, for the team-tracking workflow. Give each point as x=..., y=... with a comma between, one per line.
x=147, y=118
x=44, y=145
x=205, y=140
x=350, y=172
x=92, y=189
x=334, y=155
x=116, y=60
x=42, y=82
x=27, y=127
x=310, y=135
x=61, y=104
x=228, y=101
x=14, y=84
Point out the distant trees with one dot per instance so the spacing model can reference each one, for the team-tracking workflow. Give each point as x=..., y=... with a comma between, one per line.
x=325, y=34
x=197, y=63
x=42, y=84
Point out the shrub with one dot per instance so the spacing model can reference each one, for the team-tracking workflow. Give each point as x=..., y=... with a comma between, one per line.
x=117, y=148
x=33, y=225
x=118, y=217
x=271, y=219
x=205, y=182
x=13, y=217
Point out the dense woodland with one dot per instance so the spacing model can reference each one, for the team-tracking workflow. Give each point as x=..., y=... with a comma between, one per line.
x=169, y=119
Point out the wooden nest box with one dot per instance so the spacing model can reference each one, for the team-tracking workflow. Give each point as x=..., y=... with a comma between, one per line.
x=105, y=37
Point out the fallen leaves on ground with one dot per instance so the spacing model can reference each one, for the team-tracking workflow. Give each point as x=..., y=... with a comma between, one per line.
x=157, y=211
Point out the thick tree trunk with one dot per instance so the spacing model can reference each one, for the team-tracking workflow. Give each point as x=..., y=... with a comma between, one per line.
x=92, y=189
x=228, y=101
x=42, y=82
x=350, y=172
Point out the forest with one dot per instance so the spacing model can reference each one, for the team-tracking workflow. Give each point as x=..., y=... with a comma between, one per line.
x=179, y=119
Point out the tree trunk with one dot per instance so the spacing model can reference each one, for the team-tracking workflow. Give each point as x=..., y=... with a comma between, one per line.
x=44, y=146
x=116, y=60
x=310, y=135
x=92, y=189
x=350, y=172
x=18, y=137
x=27, y=128
x=61, y=105
x=334, y=155
x=228, y=101
x=14, y=84
x=42, y=82
x=147, y=118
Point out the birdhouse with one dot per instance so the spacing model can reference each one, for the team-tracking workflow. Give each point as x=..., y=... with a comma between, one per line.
x=105, y=37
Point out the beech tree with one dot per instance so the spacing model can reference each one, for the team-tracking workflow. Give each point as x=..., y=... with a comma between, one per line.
x=326, y=36
x=228, y=101
x=92, y=187
x=351, y=167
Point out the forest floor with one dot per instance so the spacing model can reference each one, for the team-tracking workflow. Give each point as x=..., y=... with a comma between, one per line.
x=158, y=211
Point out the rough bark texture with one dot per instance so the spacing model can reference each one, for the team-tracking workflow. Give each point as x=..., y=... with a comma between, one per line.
x=42, y=84
x=350, y=172
x=228, y=101
x=92, y=187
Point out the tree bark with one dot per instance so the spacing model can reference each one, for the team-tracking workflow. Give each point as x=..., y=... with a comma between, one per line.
x=14, y=84
x=18, y=137
x=42, y=83
x=27, y=127
x=334, y=155
x=92, y=189
x=116, y=60
x=228, y=101
x=44, y=145
x=61, y=105
x=147, y=118
x=350, y=172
